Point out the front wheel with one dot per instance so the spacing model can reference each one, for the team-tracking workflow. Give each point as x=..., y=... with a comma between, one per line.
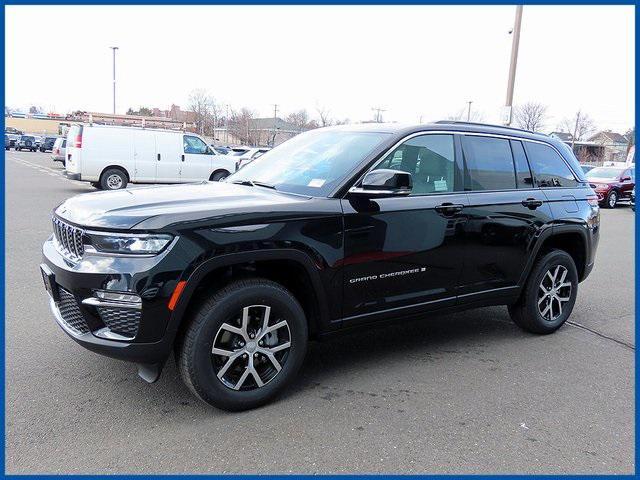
x=216, y=177
x=113, y=179
x=244, y=345
x=549, y=294
x=612, y=199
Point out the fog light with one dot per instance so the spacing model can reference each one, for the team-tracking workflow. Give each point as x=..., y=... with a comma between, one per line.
x=118, y=296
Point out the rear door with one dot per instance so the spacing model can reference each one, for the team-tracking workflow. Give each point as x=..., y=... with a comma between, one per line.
x=168, y=157
x=196, y=159
x=144, y=155
x=505, y=215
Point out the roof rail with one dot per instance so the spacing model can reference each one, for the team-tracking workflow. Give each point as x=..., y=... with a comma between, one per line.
x=461, y=122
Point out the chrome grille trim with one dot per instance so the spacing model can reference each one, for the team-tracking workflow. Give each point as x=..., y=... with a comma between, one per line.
x=68, y=239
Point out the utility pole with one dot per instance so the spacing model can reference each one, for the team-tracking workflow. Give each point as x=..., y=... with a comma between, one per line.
x=275, y=119
x=469, y=110
x=114, y=78
x=512, y=66
x=378, y=115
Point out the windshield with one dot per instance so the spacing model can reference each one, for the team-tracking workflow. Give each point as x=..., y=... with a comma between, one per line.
x=605, y=173
x=312, y=163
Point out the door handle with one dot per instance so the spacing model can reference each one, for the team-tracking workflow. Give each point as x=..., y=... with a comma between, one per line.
x=532, y=203
x=449, y=208
x=183, y=157
x=158, y=157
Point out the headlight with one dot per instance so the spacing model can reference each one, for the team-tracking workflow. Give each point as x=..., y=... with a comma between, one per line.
x=130, y=244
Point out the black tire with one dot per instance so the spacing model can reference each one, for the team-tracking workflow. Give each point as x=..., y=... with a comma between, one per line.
x=113, y=179
x=196, y=362
x=526, y=314
x=612, y=199
x=217, y=176
x=17, y=149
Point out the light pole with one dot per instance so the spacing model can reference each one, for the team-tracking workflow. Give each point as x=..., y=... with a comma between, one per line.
x=512, y=66
x=469, y=110
x=114, y=78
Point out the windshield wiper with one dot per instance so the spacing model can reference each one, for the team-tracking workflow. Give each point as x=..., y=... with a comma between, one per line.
x=253, y=183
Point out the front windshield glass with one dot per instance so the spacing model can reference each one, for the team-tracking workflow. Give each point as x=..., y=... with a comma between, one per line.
x=604, y=173
x=312, y=163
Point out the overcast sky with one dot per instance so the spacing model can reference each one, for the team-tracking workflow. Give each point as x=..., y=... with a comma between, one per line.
x=416, y=62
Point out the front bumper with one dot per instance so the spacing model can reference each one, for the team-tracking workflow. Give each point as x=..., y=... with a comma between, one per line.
x=138, y=332
x=73, y=176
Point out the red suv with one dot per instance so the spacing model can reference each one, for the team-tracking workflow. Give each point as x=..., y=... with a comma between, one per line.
x=612, y=184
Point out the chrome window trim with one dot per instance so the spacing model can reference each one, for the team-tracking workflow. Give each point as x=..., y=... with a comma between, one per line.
x=466, y=133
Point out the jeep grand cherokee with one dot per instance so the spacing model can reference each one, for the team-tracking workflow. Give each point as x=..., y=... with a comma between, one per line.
x=336, y=228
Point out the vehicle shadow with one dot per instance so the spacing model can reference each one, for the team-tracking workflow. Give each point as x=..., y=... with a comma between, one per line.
x=417, y=340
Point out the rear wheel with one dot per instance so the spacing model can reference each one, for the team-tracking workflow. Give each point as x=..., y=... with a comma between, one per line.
x=113, y=179
x=549, y=295
x=244, y=345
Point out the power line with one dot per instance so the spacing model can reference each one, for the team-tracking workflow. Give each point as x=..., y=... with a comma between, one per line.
x=378, y=115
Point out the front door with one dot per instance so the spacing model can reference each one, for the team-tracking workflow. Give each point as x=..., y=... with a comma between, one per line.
x=196, y=158
x=506, y=213
x=168, y=157
x=404, y=254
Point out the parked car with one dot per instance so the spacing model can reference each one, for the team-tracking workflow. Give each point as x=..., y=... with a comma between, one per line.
x=13, y=139
x=110, y=157
x=586, y=168
x=221, y=150
x=632, y=202
x=59, y=151
x=337, y=228
x=26, y=142
x=612, y=184
x=249, y=156
x=47, y=144
x=7, y=142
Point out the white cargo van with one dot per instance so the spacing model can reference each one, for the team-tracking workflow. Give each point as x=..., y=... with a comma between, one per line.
x=110, y=156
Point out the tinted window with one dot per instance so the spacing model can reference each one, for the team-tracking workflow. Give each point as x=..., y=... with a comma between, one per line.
x=523, y=174
x=194, y=145
x=489, y=162
x=430, y=161
x=548, y=167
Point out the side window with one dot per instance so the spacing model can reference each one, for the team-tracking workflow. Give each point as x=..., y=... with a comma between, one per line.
x=429, y=159
x=548, y=167
x=489, y=162
x=523, y=174
x=194, y=145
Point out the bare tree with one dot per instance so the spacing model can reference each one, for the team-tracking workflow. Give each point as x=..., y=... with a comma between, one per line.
x=301, y=120
x=325, y=116
x=579, y=126
x=241, y=126
x=530, y=116
x=205, y=110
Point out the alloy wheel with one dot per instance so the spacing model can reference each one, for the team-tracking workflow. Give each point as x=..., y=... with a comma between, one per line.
x=613, y=199
x=250, y=349
x=554, y=292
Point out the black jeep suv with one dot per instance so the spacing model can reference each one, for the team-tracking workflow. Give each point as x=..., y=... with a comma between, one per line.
x=336, y=228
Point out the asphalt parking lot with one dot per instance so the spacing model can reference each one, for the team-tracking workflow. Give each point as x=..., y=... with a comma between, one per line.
x=461, y=393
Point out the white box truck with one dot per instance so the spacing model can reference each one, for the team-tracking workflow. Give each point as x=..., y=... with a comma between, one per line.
x=110, y=157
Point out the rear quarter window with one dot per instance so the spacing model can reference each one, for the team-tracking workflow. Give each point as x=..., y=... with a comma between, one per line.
x=549, y=169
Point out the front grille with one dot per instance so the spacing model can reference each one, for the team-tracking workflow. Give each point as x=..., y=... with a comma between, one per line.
x=69, y=239
x=124, y=321
x=70, y=313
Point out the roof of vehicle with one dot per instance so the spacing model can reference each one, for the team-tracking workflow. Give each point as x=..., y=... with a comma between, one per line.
x=136, y=127
x=448, y=125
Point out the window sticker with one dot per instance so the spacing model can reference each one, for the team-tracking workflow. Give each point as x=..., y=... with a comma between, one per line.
x=440, y=185
x=316, y=182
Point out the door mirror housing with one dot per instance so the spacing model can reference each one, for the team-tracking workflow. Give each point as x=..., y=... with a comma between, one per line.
x=625, y=179
x=384, y=183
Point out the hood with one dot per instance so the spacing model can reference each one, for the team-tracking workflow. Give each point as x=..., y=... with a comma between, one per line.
x=157, y=207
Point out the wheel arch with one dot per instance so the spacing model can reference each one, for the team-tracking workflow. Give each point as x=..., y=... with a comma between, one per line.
x=219, y=170
x=277, y=265
x=119, y=167
x=569, y=238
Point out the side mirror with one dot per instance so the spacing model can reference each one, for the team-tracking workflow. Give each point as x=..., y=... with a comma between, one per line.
x=384, y=183
x=625, y=179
